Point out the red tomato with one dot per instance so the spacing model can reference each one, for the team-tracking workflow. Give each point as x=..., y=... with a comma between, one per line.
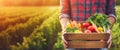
x=86, y=24
x=87, y=32
x=91, y=28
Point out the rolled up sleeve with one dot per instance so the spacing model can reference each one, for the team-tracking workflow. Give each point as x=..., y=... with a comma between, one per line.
x=64, y=9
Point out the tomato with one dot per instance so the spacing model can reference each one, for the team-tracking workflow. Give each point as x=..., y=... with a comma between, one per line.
x=91, y=28
x=87, y=32
x=86, y=24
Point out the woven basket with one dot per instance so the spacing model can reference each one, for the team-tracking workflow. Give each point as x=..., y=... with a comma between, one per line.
x=94, y=40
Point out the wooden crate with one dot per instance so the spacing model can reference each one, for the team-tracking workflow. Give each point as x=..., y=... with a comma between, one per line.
x=94, y=40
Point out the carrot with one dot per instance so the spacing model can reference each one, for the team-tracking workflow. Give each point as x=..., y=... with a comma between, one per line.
x=96, y=29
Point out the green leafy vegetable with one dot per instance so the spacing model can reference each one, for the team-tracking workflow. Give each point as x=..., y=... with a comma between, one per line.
x=100, y=20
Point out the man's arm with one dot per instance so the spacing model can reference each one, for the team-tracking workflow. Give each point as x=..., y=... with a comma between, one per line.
x=112, y=11
x=64, y=18
x=64, y=13
x=111, y=17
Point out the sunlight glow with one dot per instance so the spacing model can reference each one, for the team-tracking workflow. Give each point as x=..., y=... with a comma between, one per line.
x=28, y=2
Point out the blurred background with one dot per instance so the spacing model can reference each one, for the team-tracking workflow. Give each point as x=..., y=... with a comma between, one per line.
x=34, y=25
x=28, y=2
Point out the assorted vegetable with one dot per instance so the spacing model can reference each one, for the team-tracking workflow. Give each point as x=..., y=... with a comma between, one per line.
x=96, y=23
x=86, y=24
x=100, y=20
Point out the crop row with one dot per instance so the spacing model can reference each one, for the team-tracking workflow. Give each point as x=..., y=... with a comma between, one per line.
x=15, y=33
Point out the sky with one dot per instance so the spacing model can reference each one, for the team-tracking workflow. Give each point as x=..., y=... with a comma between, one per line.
x=28, y=2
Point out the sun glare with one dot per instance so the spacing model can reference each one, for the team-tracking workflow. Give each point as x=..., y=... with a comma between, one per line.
x=28, y=2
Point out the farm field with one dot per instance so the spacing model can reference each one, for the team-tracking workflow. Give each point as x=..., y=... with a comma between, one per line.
x=19, y=22
x=38, y=28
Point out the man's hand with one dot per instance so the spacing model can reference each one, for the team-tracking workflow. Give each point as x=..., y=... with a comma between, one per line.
x=63, y=22
x=64, y=41
x=109, y=42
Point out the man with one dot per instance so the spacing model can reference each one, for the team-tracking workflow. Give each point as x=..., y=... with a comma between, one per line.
x=80, y=10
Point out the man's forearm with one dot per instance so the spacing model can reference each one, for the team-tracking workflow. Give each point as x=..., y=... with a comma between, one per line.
x=63, y=22
x=112, y=11
x=112, y=20
x=64, y=18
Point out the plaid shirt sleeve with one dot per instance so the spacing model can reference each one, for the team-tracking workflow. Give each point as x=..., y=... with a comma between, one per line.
x=65, y=9
x=111, y=9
